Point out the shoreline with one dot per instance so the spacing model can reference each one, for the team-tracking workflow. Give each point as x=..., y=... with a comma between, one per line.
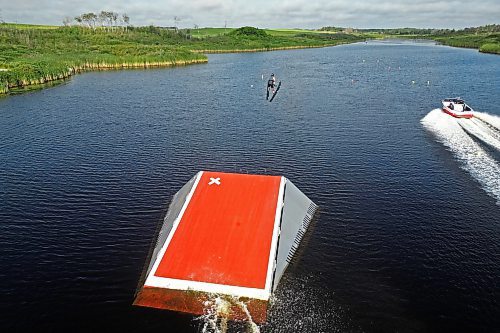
x=266, y=49
x=87, y=67
x=440, y=41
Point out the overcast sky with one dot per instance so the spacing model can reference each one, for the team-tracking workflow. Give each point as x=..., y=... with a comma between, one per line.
x=267, y=13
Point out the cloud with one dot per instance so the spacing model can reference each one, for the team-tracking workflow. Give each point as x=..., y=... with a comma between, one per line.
x=267, y=13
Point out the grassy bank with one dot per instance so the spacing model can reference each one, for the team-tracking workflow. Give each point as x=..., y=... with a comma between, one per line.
x=32, y=55
x=485, y=38
x=488, y=43
x=38, y=54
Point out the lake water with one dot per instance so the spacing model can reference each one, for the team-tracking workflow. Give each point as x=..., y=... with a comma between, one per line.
x=408, y=234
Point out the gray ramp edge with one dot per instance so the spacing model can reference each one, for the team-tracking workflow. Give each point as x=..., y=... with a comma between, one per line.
x=173, y=212
x=297, y=213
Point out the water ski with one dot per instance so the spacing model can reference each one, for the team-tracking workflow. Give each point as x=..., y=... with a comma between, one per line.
x=275, y=92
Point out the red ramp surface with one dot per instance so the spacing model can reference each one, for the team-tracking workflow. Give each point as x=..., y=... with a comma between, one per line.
x=224, y=236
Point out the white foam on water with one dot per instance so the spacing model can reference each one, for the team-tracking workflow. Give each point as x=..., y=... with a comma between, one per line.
x=299, y=306
x=474, y=159
x=216, y=314
x=252, y=326
x=483, y=128
x=489, y=118
x=304, y=304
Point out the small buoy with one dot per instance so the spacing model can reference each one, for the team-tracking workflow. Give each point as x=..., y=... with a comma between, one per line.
x=412, y=82
x=251, y=85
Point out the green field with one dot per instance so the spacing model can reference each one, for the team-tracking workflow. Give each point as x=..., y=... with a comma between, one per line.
x=210, y=32
x=252, y=39
x=27, y=26
x=213, y=32
x=206, y=32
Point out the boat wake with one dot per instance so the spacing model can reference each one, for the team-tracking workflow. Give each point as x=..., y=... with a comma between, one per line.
x=458, y=136
x=483, y=127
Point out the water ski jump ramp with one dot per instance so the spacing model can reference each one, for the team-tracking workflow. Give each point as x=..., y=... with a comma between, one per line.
x=225, y=234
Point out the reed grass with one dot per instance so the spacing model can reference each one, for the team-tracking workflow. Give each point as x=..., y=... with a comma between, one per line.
x=472, y=41
x=490, y=48
x=35, y=56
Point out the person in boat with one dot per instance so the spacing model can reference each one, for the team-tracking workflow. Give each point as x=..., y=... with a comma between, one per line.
x=451, y=106
x=271, y=84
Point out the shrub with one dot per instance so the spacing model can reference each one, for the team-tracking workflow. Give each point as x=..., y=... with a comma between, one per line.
x=490, y=48
x=248, y=31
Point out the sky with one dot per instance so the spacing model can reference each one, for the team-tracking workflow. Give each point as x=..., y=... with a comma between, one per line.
x=307, y=14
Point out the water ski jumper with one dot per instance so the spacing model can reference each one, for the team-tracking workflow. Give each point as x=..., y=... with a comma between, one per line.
x=272, y=89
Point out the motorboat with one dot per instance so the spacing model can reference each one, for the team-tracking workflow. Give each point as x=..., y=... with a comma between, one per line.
x=457, y=108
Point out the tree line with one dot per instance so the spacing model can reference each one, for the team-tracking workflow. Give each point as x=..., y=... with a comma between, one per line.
x=104, y=19
x=491, y=28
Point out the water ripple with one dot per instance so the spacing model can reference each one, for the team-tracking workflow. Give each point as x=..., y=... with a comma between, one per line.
x=406, y=240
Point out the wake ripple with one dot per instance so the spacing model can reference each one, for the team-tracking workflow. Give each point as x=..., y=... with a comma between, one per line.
x=483, y=128
x=454, y=134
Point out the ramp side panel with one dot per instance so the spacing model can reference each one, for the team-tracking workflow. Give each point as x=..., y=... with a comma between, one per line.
x=298, y=211
x=225, y=234
x=173, y=212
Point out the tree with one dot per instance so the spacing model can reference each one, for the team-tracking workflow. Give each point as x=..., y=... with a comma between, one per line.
x=106, y=17
x=196, y=27
x=90, y=19
x=113, y=17
x=67, y=21
x=102, y=17
x=93, y=19
x=110, y=21
x=177, y=19
x=126, y=20
x=78, y=19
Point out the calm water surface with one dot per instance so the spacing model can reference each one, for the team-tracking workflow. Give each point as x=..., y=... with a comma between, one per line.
x=407, y=239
